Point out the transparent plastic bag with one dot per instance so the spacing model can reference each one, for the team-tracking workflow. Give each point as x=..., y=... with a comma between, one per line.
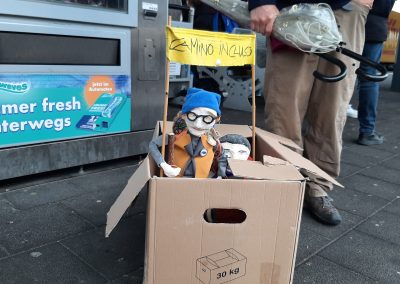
x=308, y=27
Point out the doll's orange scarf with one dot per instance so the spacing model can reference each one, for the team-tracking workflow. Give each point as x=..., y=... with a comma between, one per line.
x=181, y=157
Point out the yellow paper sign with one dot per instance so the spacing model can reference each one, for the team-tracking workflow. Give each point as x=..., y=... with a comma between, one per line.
x=196, y=47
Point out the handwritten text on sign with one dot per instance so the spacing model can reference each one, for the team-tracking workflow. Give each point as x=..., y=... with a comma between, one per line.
x=205, y=48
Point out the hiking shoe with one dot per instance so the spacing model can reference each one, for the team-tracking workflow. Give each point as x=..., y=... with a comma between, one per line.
x=323, y=209
x=368, y=139
x=351, y=112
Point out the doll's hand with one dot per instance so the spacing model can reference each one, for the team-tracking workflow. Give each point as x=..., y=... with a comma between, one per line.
x=170, y=171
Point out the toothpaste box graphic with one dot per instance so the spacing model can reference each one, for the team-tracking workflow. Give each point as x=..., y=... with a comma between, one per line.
x=102, y=113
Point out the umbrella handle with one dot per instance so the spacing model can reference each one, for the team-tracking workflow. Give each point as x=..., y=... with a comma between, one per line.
x=335, y=61
x=368, y=77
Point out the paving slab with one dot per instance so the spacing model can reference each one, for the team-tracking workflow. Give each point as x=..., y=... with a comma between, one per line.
x=135, y=277
x=48, y=264
x=103, y=180
x=348, y=142
x=117, y=255
x=382, y=173
x=33, y=196
x=348, y=170
x=394, y=207
x=393, y=163
x=350, y=133
x=318, y=270
x=383, y=225
x=352, y=158
x=3, y=252
x=309, y=243
x=391, y=144
x=388, y=125
x=357, y=202
x=367, y=255
x=94, y=205
x=330, y=232
x=6, y=208
x=359, y=152
x=371, y=186
x=25, y=229
x=395, y=135
x=42, y=178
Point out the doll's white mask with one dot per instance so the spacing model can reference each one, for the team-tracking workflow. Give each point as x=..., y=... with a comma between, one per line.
x=196, y=120
x=236, y=151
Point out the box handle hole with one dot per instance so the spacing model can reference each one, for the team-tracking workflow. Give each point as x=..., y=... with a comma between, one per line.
x=224, y=215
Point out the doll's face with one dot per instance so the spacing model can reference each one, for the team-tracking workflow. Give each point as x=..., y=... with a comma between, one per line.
x=200, y=120
x=236, y=151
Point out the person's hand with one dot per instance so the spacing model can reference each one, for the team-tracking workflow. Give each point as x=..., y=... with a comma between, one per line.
x=262, y=18
x=170, y=171
x=367, y=3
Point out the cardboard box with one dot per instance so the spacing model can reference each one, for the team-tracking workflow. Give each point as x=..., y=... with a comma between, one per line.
x=390, y=45
x=182, y=247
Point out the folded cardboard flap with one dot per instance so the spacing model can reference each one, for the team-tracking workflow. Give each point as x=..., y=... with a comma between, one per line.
x=278, y=146
x=256, y=170
x=280, y=151
x=271, y=161
x=224, y=129
x=282, y=140
x=135, y=184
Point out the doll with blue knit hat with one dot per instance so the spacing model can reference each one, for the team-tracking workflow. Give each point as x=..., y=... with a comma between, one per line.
x=196, y=143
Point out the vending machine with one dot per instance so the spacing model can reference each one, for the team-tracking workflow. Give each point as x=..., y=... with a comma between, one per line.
x=81, y=81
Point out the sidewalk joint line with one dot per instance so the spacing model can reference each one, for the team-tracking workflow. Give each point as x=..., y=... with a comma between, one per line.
x=84, y=261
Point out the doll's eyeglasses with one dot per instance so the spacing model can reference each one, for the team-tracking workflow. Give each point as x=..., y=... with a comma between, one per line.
x=208, y=119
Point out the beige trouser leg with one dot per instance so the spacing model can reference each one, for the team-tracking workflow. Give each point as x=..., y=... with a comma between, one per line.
x=310, y=112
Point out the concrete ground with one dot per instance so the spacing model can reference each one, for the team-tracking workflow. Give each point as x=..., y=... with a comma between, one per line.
x=52, y=225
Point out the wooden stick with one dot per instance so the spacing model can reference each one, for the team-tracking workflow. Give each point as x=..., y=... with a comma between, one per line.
x=253, y=108
x=164, y=129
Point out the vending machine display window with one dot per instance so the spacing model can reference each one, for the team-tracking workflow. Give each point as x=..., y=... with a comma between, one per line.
x=108, y=12
x=120, y=5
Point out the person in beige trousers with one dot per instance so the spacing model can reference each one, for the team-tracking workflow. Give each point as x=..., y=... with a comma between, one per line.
x=310, y=112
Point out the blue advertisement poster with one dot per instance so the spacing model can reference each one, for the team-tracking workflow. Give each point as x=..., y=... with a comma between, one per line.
x=42, y=108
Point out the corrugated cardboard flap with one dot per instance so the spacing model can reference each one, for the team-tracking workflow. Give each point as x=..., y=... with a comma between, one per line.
x=269, y=161
x=256, y=170
x=293, y=157
x=280, y=139
x=224, y=129
x=135, y=184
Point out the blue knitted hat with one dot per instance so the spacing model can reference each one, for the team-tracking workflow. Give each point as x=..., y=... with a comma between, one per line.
x=201, y=98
